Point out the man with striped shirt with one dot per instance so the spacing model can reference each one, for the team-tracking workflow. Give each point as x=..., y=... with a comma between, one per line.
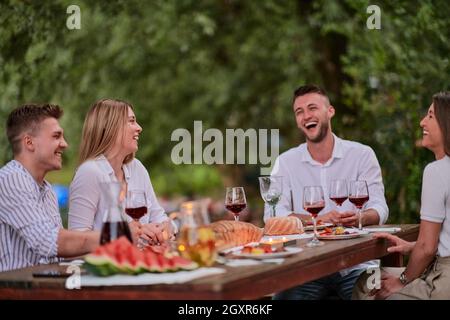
x=31, y=231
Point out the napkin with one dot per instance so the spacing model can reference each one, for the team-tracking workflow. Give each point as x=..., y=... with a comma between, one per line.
x=149, y=278
x=388, y=230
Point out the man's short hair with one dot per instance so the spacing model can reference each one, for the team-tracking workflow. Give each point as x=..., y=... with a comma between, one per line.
x=309, y=88
x=27, y=118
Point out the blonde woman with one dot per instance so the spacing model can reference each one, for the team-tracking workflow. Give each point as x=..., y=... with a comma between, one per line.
x=107, y=148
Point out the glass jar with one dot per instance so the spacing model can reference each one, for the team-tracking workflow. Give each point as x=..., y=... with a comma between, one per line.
x=196, y=239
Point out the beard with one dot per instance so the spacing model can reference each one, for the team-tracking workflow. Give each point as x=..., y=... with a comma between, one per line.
x=321, y=134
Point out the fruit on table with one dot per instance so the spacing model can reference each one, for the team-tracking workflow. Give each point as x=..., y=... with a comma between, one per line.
x=261, y=249
x=120, y=256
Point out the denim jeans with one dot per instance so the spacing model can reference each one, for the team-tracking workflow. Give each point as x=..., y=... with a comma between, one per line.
x=323, y=287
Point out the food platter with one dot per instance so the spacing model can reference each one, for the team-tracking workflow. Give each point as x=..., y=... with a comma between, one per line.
x=343, y=234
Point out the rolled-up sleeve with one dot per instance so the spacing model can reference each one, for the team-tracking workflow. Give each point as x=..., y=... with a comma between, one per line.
x=371, y=172
x=84, y=198
x=433, y=195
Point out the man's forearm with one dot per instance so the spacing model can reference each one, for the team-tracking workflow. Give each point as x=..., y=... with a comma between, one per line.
x=75, y=243
x=370, y=217
x=303, y=217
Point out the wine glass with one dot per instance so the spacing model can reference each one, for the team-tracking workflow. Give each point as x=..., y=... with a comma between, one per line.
x=313, y=202
x=338, y=192
x=271, y=188
x=358, y=195
x=136, y=208
x=235, y=201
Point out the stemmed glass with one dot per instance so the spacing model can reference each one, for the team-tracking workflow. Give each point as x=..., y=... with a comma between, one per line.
x=235, y=201
x=136, y=208
x=358, y=195
x=313, y=202
x=338, y=192
x=271, y=189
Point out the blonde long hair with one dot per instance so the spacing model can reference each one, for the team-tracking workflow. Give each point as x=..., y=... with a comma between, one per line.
x=105, y=120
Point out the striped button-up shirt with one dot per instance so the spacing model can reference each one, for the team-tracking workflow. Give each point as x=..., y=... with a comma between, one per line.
x=29, y=219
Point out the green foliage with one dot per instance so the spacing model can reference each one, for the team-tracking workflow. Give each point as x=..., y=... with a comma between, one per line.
x=233, y=64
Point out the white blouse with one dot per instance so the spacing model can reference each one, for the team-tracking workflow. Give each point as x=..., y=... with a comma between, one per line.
x=85, y=211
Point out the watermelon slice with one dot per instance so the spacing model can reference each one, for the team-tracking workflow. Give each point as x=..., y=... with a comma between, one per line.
x=151, y=262
x=120, y=256
x=183, y=264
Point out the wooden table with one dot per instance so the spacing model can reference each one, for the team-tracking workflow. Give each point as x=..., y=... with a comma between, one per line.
x=249, y=282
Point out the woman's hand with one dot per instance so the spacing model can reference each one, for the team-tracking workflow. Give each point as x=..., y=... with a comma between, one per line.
x=168, y=230
x=390, y=284
x=135, y=229
x=399, y=245
x=153, y=233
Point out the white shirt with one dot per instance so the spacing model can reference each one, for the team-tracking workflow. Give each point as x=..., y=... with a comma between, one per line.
x=349, y=160
x=29, y=219
x=436, y=200
x=85, y=211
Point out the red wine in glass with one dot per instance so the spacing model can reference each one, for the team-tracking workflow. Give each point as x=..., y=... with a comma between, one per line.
x=136, y=213
x=114, y=230
x=236, y=208
x=359, y=201
x=358, y=195
x=338, y=200
x=315, y=209
x=235, y=201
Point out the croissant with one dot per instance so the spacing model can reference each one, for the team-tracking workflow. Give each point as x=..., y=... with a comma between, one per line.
x=283, y=225
x=235, y=233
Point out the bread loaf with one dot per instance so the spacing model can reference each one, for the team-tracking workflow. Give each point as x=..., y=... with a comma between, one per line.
x=283, y=225
x=235, y=233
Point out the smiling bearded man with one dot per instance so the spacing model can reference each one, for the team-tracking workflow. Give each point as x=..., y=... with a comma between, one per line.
x=323, y=158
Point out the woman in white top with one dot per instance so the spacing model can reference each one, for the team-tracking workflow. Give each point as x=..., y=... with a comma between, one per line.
x=108, y=145
x=427, y=275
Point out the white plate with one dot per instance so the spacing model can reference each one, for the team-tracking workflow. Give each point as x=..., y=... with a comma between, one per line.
x=319, y=227
x=288, y=237
x=289, y=251
x=354, y=234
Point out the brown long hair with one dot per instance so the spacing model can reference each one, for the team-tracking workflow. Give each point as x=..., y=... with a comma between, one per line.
x=441, y=103
x=105, y=120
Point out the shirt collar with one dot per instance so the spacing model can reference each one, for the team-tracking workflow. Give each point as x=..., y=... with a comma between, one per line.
x=106, y=166
x=338, y=152
x=45, y=186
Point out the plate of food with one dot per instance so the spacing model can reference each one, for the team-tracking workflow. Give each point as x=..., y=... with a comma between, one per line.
x=340, y=233
x=308, y=226
x=262, y=251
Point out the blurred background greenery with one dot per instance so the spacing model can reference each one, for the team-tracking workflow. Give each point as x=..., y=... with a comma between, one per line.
x=233, y=64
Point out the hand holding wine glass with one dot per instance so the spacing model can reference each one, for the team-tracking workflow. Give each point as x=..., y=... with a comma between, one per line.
x=338, y=192
x=358, y=195
x=313, y=202
x=235, y=201
x=136, y=208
